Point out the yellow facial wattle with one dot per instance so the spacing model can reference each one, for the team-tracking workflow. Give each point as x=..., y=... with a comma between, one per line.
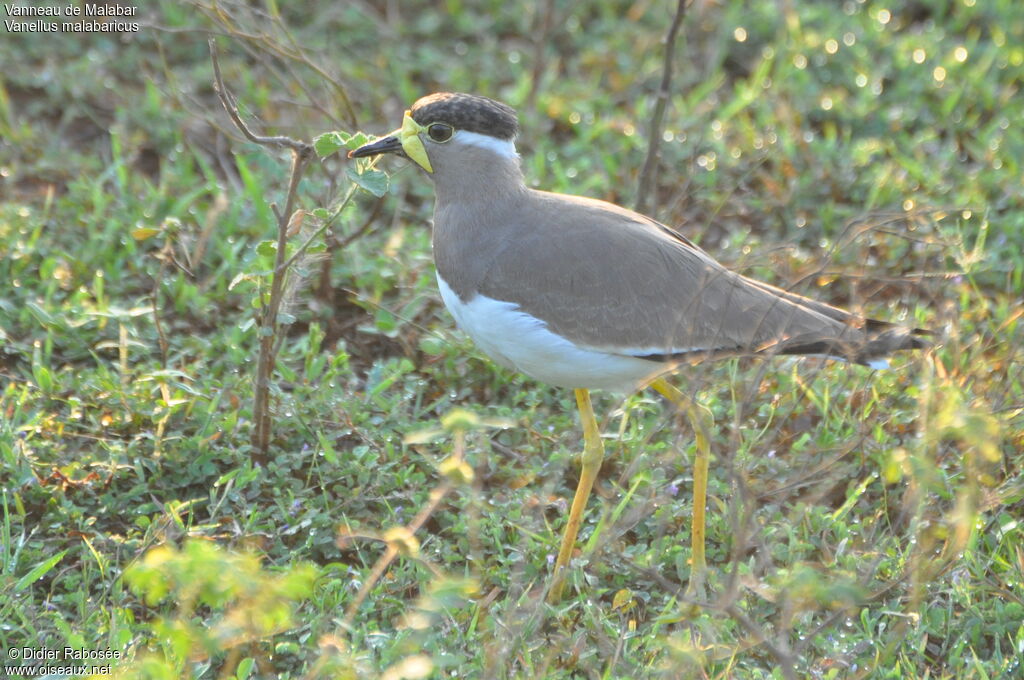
x=411, y=142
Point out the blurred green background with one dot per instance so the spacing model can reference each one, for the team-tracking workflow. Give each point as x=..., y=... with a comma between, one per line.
x=861, y=524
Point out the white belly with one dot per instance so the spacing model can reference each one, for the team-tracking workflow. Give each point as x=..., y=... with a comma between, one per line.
x=517, y=340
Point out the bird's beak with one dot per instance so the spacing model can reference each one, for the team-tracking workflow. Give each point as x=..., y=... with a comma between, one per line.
x=406, y=140
x=389, y=144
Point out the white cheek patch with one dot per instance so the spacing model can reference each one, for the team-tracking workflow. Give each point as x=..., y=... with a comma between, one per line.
x=505, y=148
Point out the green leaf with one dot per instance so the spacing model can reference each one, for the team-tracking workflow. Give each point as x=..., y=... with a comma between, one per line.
x=374, y=181
x=623, y=600
x=38, y=572
x=423, y=436
x=245, y=668
x=41, y=314
x=143, y=233
x=356, y=140
x=41, y=374
x=43, y=378
x=329, y=143
x=267, y=248
x=321, y=213
x=431, y=345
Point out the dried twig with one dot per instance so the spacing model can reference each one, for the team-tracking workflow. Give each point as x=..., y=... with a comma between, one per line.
x=436, y=497
x=229, y=105
x=385, y=560
x=302, y=152
x=647, y=174
x=401, y=540
x=546, y=20
x=780, y=650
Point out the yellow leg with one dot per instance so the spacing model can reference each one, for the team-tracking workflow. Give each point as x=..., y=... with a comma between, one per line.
x=593, y=454
x=702, y=421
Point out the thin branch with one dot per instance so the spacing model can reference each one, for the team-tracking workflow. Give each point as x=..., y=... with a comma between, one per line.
x=437, y=496
x=158, y=281
x=367, y=223
x=268, y=312
x=268, y=317
x=334, y=245
x=288, y=50
x=385, y=560
x=301, y=250
x=542, y=39
x=782, y=656
x=227, y=101
x=647, y=174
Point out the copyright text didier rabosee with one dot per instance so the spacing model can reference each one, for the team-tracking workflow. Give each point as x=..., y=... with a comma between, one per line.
x=87, y=17
x=40, y=661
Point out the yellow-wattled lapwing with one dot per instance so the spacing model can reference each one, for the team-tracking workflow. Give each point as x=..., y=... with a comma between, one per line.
x=584, y=294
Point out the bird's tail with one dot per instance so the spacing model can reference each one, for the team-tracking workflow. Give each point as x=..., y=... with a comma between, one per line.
x=875, y=341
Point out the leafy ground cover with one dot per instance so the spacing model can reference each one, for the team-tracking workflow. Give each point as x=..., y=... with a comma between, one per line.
x=862, y=524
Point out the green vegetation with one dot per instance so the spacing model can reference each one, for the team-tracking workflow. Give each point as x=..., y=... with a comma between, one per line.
x=861, y=524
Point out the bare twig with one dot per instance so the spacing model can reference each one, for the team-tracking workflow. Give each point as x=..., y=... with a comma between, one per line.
x=542, y=39
x=161, y=336
x=301, y=250
x=367, y=223
x=385, y=560
x=324, y=291
x=437, y=496
x=229, y=105
x=272, y=38
x=647, y=174
x=267, y=315
x=297, y=256
x=783, y=656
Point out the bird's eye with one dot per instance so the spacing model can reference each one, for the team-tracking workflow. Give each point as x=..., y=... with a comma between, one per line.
x=440, y=132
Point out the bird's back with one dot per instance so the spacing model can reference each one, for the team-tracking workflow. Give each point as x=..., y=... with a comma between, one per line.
x=613, y=279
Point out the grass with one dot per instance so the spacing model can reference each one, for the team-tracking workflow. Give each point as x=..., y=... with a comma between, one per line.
x=861, y=524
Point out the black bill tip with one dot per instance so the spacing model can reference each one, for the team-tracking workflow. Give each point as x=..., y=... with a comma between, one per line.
x=389, y=144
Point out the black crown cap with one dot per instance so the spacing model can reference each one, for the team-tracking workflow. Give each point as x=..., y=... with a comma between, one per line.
x=467, y=112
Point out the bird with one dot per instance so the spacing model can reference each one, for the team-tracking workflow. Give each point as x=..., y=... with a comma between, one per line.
x=584, y=294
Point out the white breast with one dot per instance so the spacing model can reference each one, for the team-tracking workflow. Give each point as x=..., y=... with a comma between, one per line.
x=518, y=340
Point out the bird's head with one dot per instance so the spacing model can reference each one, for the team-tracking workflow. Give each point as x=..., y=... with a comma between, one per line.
x=446, y=133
